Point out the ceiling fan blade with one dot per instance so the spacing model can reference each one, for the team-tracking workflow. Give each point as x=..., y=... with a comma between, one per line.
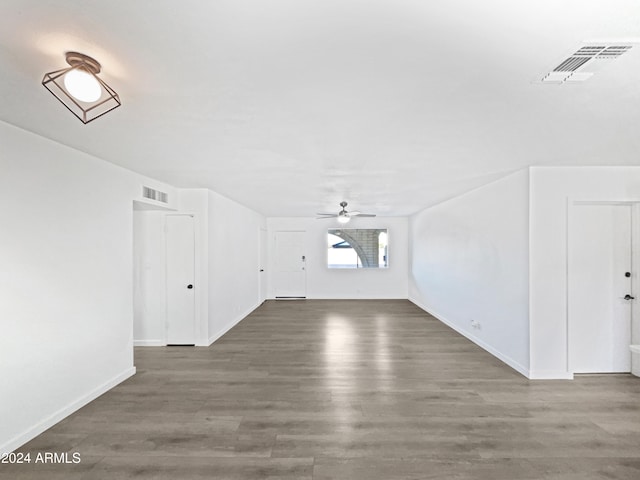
x=344, y=214
x=326, y=218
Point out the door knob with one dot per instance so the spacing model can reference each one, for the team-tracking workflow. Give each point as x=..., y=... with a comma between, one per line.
x=189, y=286
x=629, y=297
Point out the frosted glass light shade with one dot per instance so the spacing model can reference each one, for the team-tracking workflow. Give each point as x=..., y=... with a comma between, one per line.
x=82, y=85
x=343, y=219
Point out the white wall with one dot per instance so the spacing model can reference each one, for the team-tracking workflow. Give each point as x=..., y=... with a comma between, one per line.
x=323, y=282
x=234, y=265
x=469, y=261
x=66, y=309
x=552, y=188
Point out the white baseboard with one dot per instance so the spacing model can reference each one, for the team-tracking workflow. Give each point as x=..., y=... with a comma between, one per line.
x=500, y=356
x=232, y=324
x=61, y=414
x=148, y=343
x=550, y=375
x=345, y=297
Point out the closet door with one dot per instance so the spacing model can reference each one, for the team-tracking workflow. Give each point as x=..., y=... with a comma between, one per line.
x=181, y=325
x=600, y=295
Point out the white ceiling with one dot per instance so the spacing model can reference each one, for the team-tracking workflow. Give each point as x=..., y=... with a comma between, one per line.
x=290, y=106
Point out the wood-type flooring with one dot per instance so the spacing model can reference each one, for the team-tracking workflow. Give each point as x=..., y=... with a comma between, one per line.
x=349, y=389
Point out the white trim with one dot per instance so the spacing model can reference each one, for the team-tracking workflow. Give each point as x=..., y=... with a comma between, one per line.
x=568, y=209
x=338, y=297
x=149, y=343
x=225, y=329
x=64, y=412
x=635, y=267
x=500, y=356
x=352, y=297
x=579, y=201
x=550, y=375
x=146, y=204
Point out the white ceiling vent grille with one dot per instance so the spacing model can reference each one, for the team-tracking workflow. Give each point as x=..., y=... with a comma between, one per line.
x=156, y=195
x=581, y=66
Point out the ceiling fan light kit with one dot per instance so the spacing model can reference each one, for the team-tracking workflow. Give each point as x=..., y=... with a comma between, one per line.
x=80, y=89
x=343, y=215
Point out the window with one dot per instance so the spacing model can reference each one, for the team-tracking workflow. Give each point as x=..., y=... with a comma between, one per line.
x=357, y=248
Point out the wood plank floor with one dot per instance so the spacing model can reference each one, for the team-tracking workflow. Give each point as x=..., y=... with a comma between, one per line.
x=345, y=390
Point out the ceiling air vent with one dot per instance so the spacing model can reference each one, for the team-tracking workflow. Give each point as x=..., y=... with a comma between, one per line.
x=156, y=195
x=581, y=66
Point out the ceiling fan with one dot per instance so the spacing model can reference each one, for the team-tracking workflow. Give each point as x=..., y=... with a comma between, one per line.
x=344, y=216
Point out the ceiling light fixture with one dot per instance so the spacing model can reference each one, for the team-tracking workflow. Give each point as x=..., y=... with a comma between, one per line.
x=79, y=88
x=343, y=217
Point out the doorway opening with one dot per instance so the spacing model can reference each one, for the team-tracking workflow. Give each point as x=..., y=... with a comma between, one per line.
x=158, y=263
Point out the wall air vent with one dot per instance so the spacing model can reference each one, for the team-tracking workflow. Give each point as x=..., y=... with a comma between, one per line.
x=587, y=60
x=156, y=195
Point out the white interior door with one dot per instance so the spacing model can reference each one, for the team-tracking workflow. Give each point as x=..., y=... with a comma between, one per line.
x=290, y=265
x=599, y=277
x=181, y=325
x=263, y=262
